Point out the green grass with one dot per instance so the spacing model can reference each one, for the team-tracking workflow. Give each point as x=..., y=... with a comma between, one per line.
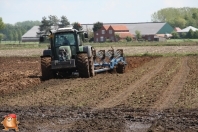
x=22, y=46
x=182, y=40
x=17, y=42
x=5, y=45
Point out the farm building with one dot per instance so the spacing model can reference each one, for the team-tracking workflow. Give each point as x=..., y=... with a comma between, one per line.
x=177, y=29
x=187, y=29
x=110, y=32
x=32, y=35
x=148, y=30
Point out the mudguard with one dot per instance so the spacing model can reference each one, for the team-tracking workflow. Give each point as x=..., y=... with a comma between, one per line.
x=47, y=52
x=88, y=49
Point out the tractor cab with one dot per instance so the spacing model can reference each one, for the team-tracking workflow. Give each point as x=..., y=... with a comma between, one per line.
x=65, y=43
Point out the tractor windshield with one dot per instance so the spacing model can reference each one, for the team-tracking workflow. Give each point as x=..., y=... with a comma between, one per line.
x=64, y=39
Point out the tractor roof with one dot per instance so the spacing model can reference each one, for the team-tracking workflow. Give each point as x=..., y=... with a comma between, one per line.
x=67, y=29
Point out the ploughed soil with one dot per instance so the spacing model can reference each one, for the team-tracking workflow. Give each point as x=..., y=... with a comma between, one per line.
x=156, y=94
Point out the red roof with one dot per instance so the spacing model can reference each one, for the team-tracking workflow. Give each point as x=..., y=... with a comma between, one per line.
x=119, y=27
x=177, y=29
x=106, y=26
x=124, y=34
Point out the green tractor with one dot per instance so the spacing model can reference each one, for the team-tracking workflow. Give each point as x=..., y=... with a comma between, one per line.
x=66, y=55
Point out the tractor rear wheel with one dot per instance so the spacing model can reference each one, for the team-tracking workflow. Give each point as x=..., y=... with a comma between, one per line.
x=120, y=67
x=46, y=68
x=82, y=64
x=91, y=67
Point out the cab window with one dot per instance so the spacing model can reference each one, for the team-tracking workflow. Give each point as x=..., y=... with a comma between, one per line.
x=64, y=39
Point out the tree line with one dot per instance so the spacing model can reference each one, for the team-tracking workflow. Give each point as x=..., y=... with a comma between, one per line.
x=189, y=35
x=177, y=17
x=14, y=32
x=53, y=22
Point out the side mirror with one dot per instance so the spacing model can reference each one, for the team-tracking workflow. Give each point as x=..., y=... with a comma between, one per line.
x=41, y=39
x=85, y=35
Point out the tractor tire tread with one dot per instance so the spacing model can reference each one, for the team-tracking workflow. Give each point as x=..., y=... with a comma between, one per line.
x=82, y=64
x=46, y=68
x=91, y=67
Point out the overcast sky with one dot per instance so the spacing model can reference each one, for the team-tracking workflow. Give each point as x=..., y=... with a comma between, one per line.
x=87, y=11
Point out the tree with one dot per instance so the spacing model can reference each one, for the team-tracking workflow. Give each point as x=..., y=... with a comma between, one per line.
x=183, y=35
x=1, y=37
x=195, y=15
x=19, y=34
x=186, y=16
x=23, y=31
x=4, y=37
x=128, y=39
x=11, y=36
x=138, y=34
x=190, y=34
x=20, y=27
x=97, y=26
x=27, y=25
x=45, y=26
x=64, y=21
x=180, y=22
x=195, y=34
x=54, y=21
x=90, y=35
x=175, y=35
x=77, y=26
x=15, y=35
x=117, y=36
x=2, y=25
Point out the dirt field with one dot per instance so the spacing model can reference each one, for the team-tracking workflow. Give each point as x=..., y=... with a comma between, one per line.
x=156, y=94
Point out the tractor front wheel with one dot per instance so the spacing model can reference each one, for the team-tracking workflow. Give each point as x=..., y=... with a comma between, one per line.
x=46, y=68
x=82, y=64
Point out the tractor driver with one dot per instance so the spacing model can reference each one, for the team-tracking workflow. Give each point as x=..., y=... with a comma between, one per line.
x=66, y=41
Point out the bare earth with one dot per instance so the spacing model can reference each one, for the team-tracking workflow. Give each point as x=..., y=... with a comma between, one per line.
x=156, y=94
